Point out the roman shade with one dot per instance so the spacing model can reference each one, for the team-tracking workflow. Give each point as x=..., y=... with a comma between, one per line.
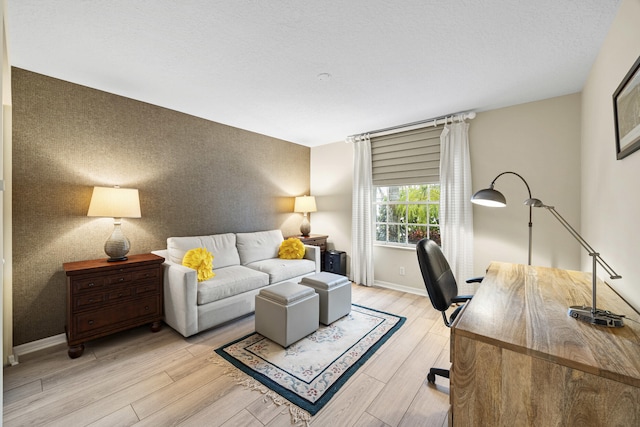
x=409, y=157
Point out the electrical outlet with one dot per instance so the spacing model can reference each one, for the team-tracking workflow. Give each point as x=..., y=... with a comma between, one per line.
x=402, y=271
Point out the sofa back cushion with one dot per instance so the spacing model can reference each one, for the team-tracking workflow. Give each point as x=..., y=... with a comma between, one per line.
x=257, y=246
x=222, y=246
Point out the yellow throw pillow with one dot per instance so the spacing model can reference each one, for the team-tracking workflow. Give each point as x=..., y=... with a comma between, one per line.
x=292, y=248
x=200, y=260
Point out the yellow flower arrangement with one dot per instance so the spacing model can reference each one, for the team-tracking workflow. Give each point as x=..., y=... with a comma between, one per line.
x=200, y=260
x=292, y=248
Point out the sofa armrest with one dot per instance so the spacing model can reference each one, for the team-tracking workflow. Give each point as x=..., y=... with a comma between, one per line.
x=313, y=253
x=180, y=298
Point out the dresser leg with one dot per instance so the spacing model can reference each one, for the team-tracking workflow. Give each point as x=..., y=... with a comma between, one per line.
x=156, y=326
x=75, y=351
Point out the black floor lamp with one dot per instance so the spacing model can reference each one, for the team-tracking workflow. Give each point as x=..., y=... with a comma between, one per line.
x=493, y=198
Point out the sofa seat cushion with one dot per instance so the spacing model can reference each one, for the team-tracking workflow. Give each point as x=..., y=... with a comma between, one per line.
x=230, y=281
x=283, y=269
x=222, y=247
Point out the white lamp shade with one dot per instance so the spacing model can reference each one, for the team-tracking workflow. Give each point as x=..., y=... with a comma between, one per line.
x=305, y=204
x=114, y=202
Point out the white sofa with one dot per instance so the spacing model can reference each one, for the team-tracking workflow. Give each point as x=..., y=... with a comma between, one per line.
x=243, y=264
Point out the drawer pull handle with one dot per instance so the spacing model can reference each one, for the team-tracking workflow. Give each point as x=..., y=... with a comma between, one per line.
x=91, y=284
x=121, y=279
x=90, y=299
x=146, y=307
x=120, y=294
x=91, y=322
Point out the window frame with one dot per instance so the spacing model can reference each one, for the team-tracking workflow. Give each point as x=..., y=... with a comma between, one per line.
x=388, y=219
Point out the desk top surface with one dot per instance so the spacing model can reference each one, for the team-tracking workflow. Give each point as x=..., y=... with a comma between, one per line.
x=524, y=309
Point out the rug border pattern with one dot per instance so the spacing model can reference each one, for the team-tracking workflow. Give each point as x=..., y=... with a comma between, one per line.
x=312, y=408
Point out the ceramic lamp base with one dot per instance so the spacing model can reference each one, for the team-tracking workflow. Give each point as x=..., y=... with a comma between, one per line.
x=305, y=227
x=117, y=246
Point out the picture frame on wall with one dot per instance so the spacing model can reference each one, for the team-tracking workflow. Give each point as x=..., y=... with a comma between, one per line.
x=626, y=111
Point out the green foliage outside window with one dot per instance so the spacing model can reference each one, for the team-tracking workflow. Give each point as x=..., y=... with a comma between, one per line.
x=406, y=214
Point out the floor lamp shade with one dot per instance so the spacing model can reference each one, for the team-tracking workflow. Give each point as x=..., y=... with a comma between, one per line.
x=116, y=203
x=489, y=197
x=305, y=204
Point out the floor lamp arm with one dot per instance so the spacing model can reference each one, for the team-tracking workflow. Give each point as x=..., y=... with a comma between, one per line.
x=530, y=210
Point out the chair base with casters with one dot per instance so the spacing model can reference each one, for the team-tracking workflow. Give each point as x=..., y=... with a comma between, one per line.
x=431, y=376
x=441, y=287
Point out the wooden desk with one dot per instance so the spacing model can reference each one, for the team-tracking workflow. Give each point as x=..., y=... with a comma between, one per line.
x=519, y=359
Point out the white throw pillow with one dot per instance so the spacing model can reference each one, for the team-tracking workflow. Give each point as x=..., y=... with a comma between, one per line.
x=257, y=246
x=222, y=247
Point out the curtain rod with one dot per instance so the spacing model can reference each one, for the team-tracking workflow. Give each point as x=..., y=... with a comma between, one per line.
x=459, y=117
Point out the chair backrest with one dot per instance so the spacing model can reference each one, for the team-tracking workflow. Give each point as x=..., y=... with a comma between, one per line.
x=437, y=275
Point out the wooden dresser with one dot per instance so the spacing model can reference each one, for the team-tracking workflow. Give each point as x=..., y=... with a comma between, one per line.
x=315, y=240
x=519, y=359
x=107, y=297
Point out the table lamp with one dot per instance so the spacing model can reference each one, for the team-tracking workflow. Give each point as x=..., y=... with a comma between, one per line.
x=305, y=204
x=117, y=203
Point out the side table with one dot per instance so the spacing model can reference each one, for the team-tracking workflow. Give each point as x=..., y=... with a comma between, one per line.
x=108, y=297
x=315, y=240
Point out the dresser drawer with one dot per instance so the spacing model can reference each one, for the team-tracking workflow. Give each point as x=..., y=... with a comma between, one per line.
x=150, y=273
x=322, y=244
x=85, y=301
x=87, y=284
x=147, y=288
x=119, y=278
x=116, y=316
x=119, y=293
x=315, y=240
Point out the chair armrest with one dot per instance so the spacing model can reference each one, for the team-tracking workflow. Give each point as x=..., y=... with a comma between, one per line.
x=465, y=298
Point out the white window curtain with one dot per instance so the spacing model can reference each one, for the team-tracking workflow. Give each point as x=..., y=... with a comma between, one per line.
x=362, y=214
x=456, y=215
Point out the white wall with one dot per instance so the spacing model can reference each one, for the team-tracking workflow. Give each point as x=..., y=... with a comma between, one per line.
x=539, y=140
x=331, y=179
x=610, y=187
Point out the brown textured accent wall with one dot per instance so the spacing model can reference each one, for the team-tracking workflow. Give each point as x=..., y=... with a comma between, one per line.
x=194, y=176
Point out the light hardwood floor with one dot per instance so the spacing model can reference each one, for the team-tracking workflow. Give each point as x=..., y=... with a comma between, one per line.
x=162, y=379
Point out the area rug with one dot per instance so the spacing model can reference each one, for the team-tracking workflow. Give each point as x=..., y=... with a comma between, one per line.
x=309, y=372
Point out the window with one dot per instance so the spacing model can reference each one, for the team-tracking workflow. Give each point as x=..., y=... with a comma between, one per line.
x=405, y=214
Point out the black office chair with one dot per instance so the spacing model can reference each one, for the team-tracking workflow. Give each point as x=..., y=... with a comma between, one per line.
x=441, y=287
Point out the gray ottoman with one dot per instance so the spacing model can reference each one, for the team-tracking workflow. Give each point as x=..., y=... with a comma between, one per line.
x=335, y=295
x=287, y=312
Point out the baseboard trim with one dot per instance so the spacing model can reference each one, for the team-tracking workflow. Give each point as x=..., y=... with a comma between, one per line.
x=38, y=345
x=401, y=288
x=54, y=340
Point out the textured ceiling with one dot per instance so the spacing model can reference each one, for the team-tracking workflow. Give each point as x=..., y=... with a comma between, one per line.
x=256, y=64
